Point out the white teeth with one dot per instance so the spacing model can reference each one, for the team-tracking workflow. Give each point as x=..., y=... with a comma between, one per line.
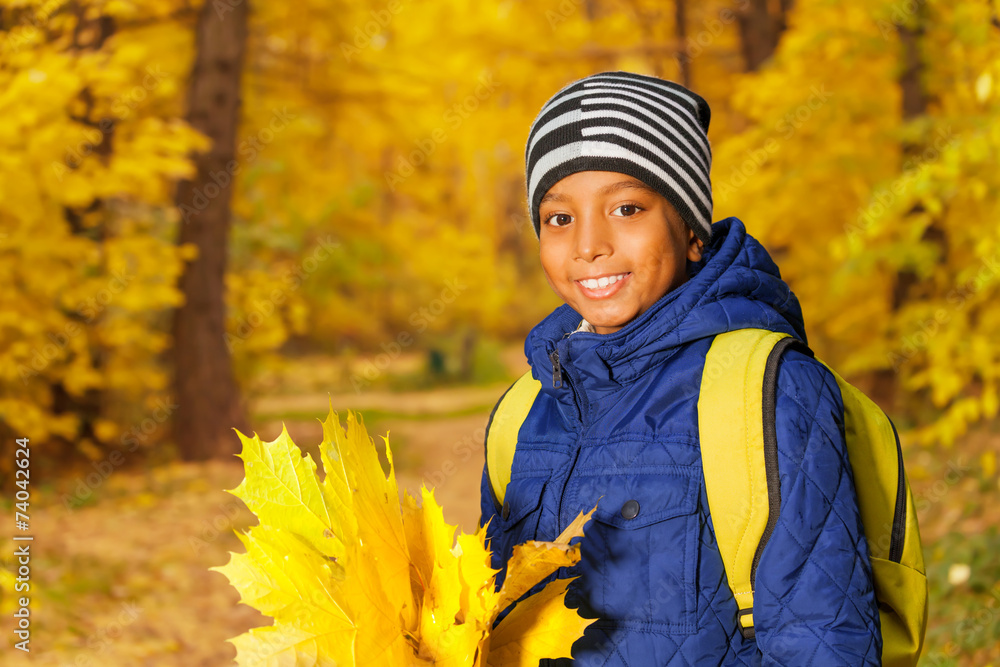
x=599, y=283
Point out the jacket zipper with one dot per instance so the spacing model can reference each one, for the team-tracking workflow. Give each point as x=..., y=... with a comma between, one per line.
x=557, y=381
x=558, y=373
x=556, y=368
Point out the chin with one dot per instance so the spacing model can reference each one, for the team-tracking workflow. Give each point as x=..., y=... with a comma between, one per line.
x=608, y=322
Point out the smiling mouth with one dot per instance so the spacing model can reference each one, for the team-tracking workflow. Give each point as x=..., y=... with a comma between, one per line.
x=605, y=286
x=603, y=281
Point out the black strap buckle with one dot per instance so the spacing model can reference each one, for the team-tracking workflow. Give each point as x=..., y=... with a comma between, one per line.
x=747, y=632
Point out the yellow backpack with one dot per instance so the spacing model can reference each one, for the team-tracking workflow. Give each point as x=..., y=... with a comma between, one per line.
x=739, y=457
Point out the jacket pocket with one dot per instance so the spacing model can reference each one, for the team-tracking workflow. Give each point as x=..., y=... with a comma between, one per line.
x=643, y=551
x=637, y=501
x=517, y=520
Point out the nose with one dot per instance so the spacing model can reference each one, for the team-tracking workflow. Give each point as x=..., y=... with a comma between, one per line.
x=593, y=237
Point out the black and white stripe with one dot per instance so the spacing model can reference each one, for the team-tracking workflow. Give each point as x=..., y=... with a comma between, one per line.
x=639, y=125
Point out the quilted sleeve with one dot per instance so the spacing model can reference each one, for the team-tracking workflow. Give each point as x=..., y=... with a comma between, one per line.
x=488, y=513
x=814, y=602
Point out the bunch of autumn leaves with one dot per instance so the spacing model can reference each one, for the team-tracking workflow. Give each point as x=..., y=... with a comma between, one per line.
x=353, y=577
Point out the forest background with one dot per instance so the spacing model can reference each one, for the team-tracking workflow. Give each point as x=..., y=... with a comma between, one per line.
x=232, y=214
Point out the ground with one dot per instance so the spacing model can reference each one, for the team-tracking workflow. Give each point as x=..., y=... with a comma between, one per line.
x=123, y=579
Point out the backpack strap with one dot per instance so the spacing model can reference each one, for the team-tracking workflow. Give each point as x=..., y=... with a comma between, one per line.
x=739, y=452
x=501, y=432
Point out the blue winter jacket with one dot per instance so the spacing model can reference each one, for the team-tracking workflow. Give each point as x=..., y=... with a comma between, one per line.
x=616, y=419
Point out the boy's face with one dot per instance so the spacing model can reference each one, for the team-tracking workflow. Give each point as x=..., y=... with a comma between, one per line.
x=602, y=226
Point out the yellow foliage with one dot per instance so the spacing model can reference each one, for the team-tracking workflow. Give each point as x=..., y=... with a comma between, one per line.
x=92, y=148
x=372, y=185
x=353, y=577
x=857, y=199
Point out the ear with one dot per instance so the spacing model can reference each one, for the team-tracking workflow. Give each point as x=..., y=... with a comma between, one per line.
x=694, y=246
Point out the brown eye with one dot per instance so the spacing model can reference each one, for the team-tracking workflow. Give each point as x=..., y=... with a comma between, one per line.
x=626, y=210
x=558, y=219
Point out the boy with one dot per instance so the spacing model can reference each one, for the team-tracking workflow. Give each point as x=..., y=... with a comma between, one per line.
x=617, y=168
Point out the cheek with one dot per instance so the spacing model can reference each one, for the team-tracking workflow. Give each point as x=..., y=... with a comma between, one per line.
x=551, y=256
x=547, y=265
x=658, y=270
x=652, y=265
x=552, y=283
x=551, y=267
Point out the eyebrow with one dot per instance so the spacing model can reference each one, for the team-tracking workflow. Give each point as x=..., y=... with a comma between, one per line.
x=608, y=189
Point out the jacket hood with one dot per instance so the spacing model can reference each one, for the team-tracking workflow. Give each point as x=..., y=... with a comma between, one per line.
x=735, y=285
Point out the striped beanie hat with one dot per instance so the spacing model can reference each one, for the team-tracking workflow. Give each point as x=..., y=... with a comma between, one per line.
x=642, y=126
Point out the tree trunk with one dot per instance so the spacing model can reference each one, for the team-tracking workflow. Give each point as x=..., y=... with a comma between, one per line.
x=760, y=31
x=467, y=357
x=914, y=101
x=209, y=404
x=680, y=31
x=913, y=104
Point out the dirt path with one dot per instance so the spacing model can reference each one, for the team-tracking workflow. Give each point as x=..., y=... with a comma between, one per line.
x=439, y=401
x=125, y=581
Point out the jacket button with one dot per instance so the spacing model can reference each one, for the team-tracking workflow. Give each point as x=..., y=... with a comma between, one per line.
x=630, y=509
x=505, y=511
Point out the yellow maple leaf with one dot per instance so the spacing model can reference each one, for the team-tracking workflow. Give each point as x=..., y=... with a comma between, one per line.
x=533, y=561
x=537, y=628
x=352, y=576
